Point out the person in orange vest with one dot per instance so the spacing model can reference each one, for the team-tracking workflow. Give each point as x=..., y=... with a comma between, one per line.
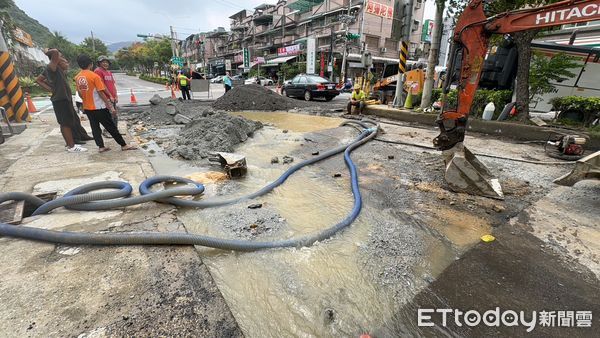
x=184, y=85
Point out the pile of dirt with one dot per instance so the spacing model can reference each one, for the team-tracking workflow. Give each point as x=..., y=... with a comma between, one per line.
x=212, y=132
x=255, y=97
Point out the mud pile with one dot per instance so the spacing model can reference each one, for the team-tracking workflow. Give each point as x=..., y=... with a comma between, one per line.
x=212, y=132
x=202, y=129
x=255, y=97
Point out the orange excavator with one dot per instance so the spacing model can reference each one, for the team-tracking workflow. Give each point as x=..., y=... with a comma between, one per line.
x=464, y=173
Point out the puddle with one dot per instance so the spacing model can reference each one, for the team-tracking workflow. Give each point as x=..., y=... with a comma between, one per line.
x=461, y=228
x=293, y=122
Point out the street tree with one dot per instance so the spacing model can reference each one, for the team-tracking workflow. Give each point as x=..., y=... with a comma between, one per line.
x=93, y=47
x=522, y=41
x=66, y=47
x=434, y=53
x=143, y=55
x=545, y=70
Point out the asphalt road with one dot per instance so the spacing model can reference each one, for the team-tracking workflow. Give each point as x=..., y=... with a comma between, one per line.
x=144, y=90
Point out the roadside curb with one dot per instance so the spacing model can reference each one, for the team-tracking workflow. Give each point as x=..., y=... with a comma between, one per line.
x=503, y=129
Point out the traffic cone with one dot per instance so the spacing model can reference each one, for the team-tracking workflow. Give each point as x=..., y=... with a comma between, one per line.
x=173, y=94
x=133, y=99
x=408, y=103
x=30, y=106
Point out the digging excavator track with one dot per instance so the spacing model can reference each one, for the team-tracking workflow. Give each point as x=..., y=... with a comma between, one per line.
x=84, y=198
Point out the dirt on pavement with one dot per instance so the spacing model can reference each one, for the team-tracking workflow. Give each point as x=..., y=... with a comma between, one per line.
x=255, y=97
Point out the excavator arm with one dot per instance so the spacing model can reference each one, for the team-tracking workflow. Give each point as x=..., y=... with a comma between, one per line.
x=464, y=173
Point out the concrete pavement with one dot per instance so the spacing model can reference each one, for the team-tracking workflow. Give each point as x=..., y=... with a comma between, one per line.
x=57, y=291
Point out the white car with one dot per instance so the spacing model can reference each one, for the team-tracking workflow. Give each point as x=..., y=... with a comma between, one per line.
x=217, y=79
x=263, y=81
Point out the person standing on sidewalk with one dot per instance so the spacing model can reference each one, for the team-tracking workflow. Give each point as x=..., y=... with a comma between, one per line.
x=53, y=79
x=184, y=85
x=109, y=83
x=227, y=82
x=96, y=104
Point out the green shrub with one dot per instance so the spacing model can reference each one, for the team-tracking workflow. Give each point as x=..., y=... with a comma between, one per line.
x=586, y=106
x=481, y=99
x=594, y=131
x=159, y=80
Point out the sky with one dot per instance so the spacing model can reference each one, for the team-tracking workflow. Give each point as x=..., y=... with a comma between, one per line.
x=120, y=20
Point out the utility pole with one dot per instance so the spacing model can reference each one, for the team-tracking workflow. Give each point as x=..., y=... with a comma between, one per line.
x=173, y=43
x=93, y=43
x=407, y=29
x=347, y=19
x=330, y=62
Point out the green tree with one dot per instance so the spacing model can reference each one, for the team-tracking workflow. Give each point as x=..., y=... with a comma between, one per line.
x=66, y=47
x=93, y=47
x=143, y=56
x=522, y=41
x=546, y=69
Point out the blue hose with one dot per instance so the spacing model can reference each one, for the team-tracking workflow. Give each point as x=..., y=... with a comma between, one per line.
x=81, y=199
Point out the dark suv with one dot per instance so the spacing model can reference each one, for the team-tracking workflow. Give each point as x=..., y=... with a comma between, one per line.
x=309, y=86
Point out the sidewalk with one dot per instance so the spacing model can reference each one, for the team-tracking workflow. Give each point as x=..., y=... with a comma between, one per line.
x=57, y=291
x=508, y=129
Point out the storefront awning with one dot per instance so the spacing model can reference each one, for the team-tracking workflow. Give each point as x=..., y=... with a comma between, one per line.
x=277, y=61
x=252, y=64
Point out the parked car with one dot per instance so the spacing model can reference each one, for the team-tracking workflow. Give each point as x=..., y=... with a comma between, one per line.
x=309, y=86
x=237, y=77
x=217, y=79
x=263, y=81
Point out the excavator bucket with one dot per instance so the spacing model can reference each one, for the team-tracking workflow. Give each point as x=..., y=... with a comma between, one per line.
x=587, y=168
x=464, y=173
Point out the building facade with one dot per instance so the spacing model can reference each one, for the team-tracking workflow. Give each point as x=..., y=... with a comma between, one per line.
x=277, y=33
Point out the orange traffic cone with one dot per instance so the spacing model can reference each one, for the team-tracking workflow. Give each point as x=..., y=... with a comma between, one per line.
x=173, y=94
x=30, y=106
x=133, y=99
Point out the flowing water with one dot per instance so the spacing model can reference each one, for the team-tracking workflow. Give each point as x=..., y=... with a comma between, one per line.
x=320, y=291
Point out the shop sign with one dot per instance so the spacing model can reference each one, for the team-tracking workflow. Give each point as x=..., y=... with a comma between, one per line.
x=289, y=50
x=378, y=9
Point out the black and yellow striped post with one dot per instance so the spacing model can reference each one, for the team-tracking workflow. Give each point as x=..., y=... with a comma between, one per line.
x=403, y=57
x=398, y=99
x=11, y=95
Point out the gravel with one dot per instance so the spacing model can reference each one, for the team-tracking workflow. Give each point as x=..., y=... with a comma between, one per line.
x=204, y=130
x=212, y=132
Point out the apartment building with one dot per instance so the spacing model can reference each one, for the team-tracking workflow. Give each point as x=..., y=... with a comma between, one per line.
x=276, y=33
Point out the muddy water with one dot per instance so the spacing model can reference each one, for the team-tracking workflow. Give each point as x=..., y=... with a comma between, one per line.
x=293, y=122
x=316, y=291
x=320, y=291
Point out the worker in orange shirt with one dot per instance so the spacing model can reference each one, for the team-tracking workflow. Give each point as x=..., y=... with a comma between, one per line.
x=97, y=105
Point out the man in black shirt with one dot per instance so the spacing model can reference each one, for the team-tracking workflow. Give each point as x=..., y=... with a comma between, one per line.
x=53, y=79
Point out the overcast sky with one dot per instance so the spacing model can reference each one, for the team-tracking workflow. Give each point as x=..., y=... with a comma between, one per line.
x=120, y=20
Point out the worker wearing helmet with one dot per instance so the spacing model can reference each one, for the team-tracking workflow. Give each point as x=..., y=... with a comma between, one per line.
x=357, y=100
x=184, y=85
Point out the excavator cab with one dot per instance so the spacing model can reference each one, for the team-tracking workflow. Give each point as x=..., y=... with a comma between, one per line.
x=464, y=172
